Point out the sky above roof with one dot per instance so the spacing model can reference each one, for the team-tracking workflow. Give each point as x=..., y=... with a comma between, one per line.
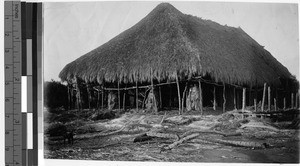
x=73, y=29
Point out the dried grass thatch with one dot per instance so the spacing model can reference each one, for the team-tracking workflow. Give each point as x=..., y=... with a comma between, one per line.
x=167, y=43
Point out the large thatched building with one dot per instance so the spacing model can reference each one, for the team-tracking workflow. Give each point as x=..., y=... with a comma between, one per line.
x=175, y=52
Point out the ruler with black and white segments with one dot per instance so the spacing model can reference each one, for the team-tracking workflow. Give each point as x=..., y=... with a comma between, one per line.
x=22, y=56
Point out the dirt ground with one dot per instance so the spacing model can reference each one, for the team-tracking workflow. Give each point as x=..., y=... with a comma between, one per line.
x=283, y=143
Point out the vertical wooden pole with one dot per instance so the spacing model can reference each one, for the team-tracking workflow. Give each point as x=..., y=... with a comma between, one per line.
x=98, y=99
x=170, y=96
x=137, y=96
x=292, y=100
x=275, y=105
x=124, y=95
x=89, y=94
x=224, y=98
x=183, y=96
x=179, y=98
x=119, y=96
x=244, y=99
x=250, y=96
x=160, y=100
x=255, y=105
x=152, y=89
x=102, y=97
x=214, y=102
x=297, y=100
x=69, y=98
x=200, y=97
x=284, y=104
x=234, y=98
x=263, y=99
x=269, y=99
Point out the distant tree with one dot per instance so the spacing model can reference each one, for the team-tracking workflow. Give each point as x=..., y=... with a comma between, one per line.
x=55, y=95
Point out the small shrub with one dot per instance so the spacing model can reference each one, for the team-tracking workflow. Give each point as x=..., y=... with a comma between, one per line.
x=56, y=129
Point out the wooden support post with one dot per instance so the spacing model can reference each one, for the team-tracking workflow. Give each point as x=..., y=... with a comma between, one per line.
x=137, y=96
x=170, y=96
x=263, y=99
x=224, y=98
x=102, y=97
x=297, y=100
x=124, y=97
x=275, y=105
x=234, y=97
x=119, y=96
x=89, y=95
x=98, y=99
x=214, y=99
x=244, y=99
x=292, y=100
x=269, y=99
x=179, y=98
x=183, y=96
x=250, y=96
x=152, y=89
x=160, y=100
x=69, y=98
x=255, y=105
x=284, y=104
x=200, y=97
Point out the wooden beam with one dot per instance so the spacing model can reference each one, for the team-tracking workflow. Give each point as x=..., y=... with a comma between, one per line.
x=234, y=97
x=269, y=98
x=184, y=96
x=160, y=100
x=102, y=98
x=89, y=95
x=224, y=98
x=137, y=96
x=152, y=89
x=292, y=100
x=263, y=99
x=124, y=97
x=255, y=105
x=200, y=97
x=284, y=104
x=275, y=105
x=179, y=98
x=244, y=99
x=119, y=96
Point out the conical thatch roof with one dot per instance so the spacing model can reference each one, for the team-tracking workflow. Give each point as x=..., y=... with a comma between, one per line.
x=168, y=42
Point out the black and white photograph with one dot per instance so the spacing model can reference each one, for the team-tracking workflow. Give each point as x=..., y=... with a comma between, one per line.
x=171, y=81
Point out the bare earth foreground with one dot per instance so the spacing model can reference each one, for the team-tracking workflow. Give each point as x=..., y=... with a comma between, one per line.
x=227, y=137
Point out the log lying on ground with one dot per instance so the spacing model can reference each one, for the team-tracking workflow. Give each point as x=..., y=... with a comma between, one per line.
x=247, y=144
x=211, y=132
x=171, y=146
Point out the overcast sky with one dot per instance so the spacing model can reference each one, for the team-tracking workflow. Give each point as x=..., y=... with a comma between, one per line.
x=73, y=29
